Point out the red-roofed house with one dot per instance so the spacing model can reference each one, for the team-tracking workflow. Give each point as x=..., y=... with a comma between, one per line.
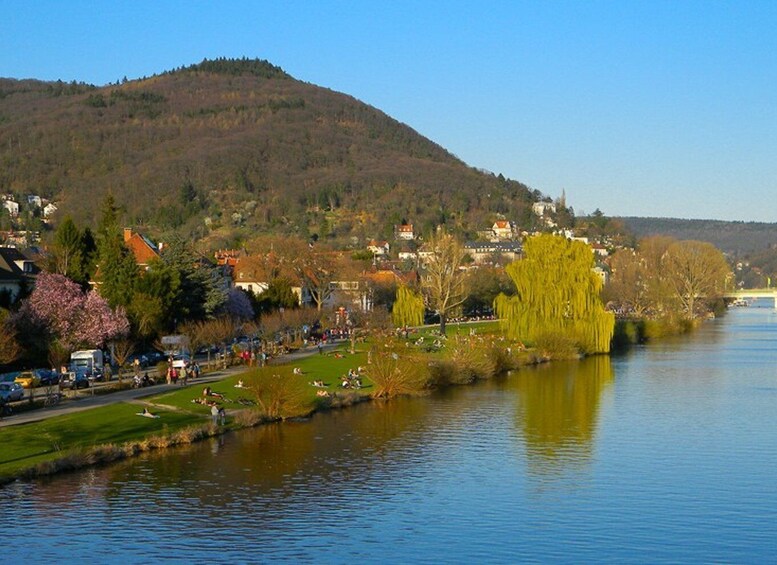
x=141, y=247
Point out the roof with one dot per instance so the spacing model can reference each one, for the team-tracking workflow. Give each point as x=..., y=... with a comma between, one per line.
x=9, y=270
x=514, y=246
x=142, y=248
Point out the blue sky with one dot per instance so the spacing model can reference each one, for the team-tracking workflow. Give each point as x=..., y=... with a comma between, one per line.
x=637, y=108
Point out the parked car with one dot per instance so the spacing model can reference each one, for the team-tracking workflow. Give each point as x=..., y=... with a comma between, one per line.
x=74, y=380
x=47, y=376
x=9, y=377
x=28, y=379
x=11, y=391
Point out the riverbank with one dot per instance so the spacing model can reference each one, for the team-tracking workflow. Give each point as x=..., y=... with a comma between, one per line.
x=109, y=433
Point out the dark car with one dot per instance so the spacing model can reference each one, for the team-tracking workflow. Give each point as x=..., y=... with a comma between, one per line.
x=47, y=376
x=74, y=380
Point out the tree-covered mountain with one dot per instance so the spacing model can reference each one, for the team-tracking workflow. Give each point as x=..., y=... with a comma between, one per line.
x=226, y=148
x=733, y=238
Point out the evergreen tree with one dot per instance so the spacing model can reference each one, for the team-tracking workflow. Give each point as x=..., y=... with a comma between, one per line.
x=69, y=251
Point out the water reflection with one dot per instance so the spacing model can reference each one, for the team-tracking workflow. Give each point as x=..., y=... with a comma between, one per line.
x=557, y=412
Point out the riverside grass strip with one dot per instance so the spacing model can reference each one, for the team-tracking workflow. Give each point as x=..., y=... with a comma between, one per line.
x=25, y=446
x=116, y=431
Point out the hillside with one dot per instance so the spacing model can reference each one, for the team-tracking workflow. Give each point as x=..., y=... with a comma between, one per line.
x=230, y=147
x=734, y=238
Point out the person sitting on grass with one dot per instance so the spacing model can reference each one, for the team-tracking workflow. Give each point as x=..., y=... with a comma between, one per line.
x=322, y=393
x=240, y=384
x=297, y=371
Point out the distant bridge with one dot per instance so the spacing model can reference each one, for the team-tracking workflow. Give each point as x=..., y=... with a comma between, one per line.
x=753, y=293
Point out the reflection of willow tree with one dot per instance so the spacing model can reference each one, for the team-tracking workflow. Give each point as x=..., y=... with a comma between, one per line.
x=558, y=408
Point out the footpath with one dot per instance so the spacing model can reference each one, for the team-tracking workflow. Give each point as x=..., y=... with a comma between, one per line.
x=85, y=400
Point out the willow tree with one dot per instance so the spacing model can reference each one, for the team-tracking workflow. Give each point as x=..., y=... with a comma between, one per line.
x=557, y=293
x=408, y=308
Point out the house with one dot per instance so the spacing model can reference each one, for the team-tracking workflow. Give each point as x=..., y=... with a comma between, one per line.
x=353, y=293
x=542, y=208
x=503, y=230
x=404, y=232
x=34, y=201
x=487, y=252
x=49, y=210
x=17, y=272
x=141, y=247
x=12, y=207
x=379, y=248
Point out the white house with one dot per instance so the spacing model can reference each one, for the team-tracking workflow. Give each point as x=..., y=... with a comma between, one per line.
x=503, y=229
x=404, y=231
x=542, y=208
x=34, y=200
x=12, y=207
x=49, y=209
x=379, y=248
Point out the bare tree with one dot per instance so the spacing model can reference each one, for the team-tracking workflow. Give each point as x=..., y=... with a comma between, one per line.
x=442, y=279
x=122, y=349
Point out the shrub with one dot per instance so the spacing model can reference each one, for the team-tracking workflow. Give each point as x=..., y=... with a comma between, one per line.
x=396, y=370
x=276, y=393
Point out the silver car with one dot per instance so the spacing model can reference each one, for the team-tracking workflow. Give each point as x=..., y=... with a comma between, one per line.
x=11, y=391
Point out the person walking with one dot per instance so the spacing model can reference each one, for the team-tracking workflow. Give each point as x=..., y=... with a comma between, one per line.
x=214, y=413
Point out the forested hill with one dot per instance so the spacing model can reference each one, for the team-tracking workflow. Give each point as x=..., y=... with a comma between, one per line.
x=231, y=145
x=735, y=238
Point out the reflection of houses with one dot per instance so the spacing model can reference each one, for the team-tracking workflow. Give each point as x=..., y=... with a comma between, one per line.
x=484, y=252
x=17, y=272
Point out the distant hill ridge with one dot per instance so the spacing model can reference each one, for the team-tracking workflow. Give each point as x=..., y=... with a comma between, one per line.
x=229, y=147
x=735, y=238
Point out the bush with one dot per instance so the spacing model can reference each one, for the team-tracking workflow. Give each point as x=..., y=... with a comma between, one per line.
x=556, y=345
x=276, y=393
x=396, y=370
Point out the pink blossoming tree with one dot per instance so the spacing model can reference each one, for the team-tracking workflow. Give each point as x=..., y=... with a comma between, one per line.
x=72, y=318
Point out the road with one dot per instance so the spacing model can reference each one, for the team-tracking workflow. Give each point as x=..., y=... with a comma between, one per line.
x=85, y=400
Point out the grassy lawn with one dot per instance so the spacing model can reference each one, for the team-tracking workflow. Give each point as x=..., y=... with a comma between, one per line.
x=328, y=368
x=26, y=445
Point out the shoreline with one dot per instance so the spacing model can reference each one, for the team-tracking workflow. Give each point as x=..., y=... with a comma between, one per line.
x=196, y=426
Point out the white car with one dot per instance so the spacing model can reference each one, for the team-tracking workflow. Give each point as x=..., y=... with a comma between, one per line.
x=11, y=391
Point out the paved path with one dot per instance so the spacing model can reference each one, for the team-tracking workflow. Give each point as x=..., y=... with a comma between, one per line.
x=85, y=401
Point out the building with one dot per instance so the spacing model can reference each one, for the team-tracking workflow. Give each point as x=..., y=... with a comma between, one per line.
x=17, y=272
x=49, y=210
x=12, y=207
x=379, y=248
x=542, y=208
x=141, y=247
x=34, y=201
x=404, y=232
x=503, y=230
x=490, y=252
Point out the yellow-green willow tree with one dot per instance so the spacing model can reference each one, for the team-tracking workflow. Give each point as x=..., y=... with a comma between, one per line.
x=408, y=308
x=557, y=294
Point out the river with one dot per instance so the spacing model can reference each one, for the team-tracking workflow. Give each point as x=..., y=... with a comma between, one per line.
x=665, y=454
